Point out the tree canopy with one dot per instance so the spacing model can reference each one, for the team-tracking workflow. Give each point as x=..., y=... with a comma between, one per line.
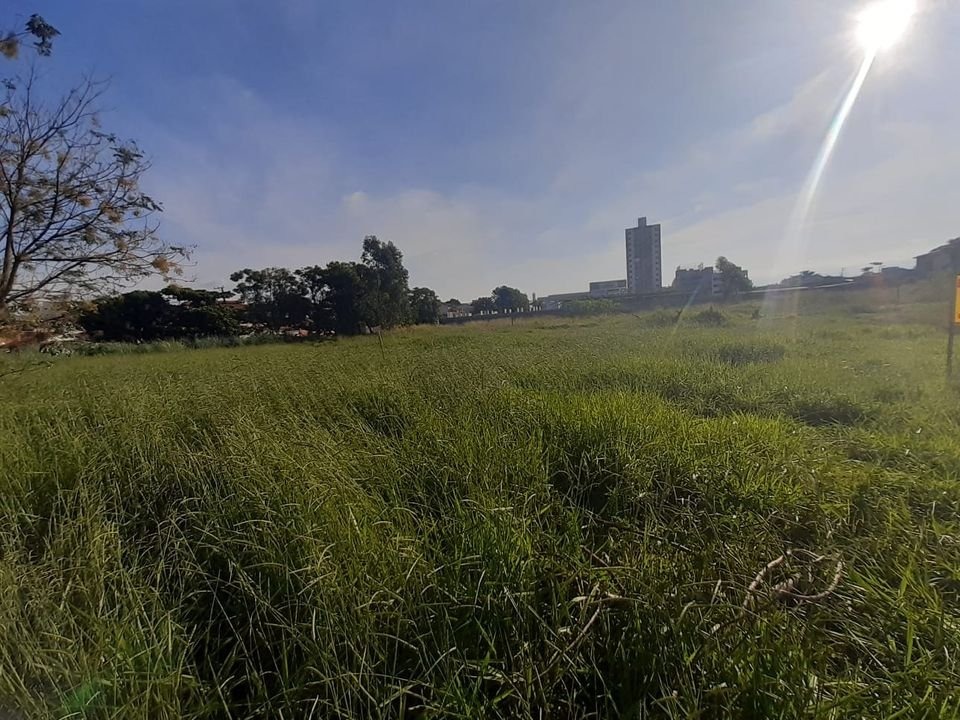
x=345, y=297
x=483, y=305
x=425, y=305
x=194, y=297
x=733, y=278
x=275, y=296
x=144, y=315
x=385, y=300
x=73, y=219
x=509, y=299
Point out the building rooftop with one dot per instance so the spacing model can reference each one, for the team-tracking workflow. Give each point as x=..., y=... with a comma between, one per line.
x=945, y=246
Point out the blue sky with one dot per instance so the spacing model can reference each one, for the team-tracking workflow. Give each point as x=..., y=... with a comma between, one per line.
x=512, y=141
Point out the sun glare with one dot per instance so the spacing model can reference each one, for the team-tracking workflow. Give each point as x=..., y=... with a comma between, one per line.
x=883, y=23
x=879, y=27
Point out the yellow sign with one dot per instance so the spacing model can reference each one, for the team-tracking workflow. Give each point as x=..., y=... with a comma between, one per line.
x=956, y=304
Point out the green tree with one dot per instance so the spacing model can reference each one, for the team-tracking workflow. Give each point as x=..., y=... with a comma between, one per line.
x=733, y=278
x=483, y=305
x=344, y=296
x=425, y=306
x=141, y=315
x=206, y=321
x=174, y=312
x=314, y=281
x=386, y=296
x=73, y=219
x=275, y=296
x=508, y=299
x=194, y=297
x=453, y=301
x=199, y=313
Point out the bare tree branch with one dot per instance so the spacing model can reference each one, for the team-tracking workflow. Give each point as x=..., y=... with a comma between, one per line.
x=37, y=27
x=72, y=214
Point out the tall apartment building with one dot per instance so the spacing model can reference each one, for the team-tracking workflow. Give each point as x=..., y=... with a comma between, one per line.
x=643, y=258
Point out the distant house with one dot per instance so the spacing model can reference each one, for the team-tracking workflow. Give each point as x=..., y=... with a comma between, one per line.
x=556, y=302
x=940, y=260
x=455, y=310
x=608, y=288
x=897, y=274
x=808, y=279
x=701, y=281
x=294, y=332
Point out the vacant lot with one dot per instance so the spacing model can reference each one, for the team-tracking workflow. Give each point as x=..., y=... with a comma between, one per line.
x=561, y=517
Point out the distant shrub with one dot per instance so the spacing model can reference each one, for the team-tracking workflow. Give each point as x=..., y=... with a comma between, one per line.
x=590, y=307
x=711, y=317
x=198, y=343
x=146, y=316
x=661, y=318
x=748, y=353
x=120, y=348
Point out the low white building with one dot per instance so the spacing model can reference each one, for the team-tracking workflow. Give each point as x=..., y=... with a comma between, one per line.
x=608, y=288
x=455, y=310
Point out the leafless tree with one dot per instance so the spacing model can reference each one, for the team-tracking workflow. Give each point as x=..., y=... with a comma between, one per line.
x=72, y=216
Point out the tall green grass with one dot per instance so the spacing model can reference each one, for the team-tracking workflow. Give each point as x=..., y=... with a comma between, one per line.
x=537, y=519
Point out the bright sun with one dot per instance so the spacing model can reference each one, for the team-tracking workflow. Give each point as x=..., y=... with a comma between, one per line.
x=881, y=24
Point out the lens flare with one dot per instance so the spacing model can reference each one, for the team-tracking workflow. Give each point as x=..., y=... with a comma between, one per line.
x=790, y=255
x=830, y=140
x=882, y=24
x=879, y=27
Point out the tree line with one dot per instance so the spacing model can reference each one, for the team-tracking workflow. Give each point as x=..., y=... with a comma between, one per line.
x=503, y=299
x=345, y=298
x=342, y=298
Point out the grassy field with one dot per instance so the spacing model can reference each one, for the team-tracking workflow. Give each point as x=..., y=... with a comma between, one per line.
x=596, y=517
